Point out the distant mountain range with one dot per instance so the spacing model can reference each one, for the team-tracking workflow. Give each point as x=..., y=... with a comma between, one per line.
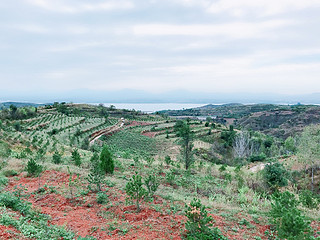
x=137, y=96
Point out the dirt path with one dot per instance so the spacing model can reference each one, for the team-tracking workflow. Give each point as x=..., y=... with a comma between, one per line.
x=257, y=168
x=106, y=131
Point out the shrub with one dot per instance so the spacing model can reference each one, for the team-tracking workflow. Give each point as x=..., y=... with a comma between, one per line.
x=149, y=160
x=255, y=158
x=8, y=200
x=290, y=145
x=135, y=190
x=199, y=223
x=33, y=168
x=167, y=160
x=107, y=163
x=56, y=158
x=10, y=173
x=170, y=177
x=17, y=126
x=152, y=185
x=5, y=150
x=293, y=225
x=53, y=131
x=281, y=203
x=102, y=197
x=3, y=181
x=76, y=157
x=308, y=199
x=275, y=175
x=289, y=222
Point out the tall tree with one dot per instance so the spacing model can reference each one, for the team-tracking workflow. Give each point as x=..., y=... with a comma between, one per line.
x=242, y=146
x=309, y=149
x=186, y=137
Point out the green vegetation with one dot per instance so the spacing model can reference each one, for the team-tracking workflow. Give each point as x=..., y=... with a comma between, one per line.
x=131, y=143
x=186, y=136
x=106, y=161
x=33, y=169
x=76, y=157
x=56, y=158
x=248, y=175
x=96, y=174
x=275, y=175
x=31, y=224
x=199, y=223
x=308, y=149
x=135, y=190
x=289, y=221
x=152, y=183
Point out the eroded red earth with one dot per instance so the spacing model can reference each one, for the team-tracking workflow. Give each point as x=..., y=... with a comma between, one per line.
x=135, y=123
x=8, y=232
x=115, y=219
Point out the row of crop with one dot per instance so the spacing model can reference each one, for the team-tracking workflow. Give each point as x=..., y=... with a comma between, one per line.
x=133, y=142
x=98, y=122
x=44, y=122
x=45, y=118
x=65, y=123
x=86, y=126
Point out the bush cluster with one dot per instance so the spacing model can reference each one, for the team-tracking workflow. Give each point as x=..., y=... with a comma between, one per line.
x=199, y=223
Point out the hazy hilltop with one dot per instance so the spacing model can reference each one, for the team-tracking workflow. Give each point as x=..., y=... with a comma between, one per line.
x=277, y=120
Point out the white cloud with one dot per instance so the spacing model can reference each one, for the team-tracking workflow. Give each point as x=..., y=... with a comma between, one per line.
x=192, y=3
x=233, y=30
x=242, y=74
x=79, y=6
x=260, y=7
x=75, y=46
x=162, y=45
x=31, y=28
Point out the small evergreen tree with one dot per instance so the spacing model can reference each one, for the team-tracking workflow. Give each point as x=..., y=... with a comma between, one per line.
x=289, y=221
x=106, y=161
x=76, y=157
x=135, y=190
x=199, y=223
x=186, y=137
x=96, y=174
x=275, y=175
x=33, y=168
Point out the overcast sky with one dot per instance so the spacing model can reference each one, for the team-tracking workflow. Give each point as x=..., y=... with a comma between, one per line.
x=160, y=45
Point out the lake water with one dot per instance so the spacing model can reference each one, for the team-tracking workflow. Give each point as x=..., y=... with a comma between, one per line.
x=153, y=107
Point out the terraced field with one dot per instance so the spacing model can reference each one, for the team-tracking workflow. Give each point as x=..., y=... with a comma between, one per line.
x=69, y=199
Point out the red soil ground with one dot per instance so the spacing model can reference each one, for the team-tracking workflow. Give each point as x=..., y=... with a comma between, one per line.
x=8, y=232
x=150, y=134
x=115, y=220
x=86, y=217
x=135, y=123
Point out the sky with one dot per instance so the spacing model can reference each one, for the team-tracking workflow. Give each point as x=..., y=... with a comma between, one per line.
x=158, y=46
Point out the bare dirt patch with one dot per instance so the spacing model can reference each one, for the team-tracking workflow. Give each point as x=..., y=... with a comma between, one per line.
x=84, y=216
x=8, y=232
x=116, y=219
x=135, y=123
